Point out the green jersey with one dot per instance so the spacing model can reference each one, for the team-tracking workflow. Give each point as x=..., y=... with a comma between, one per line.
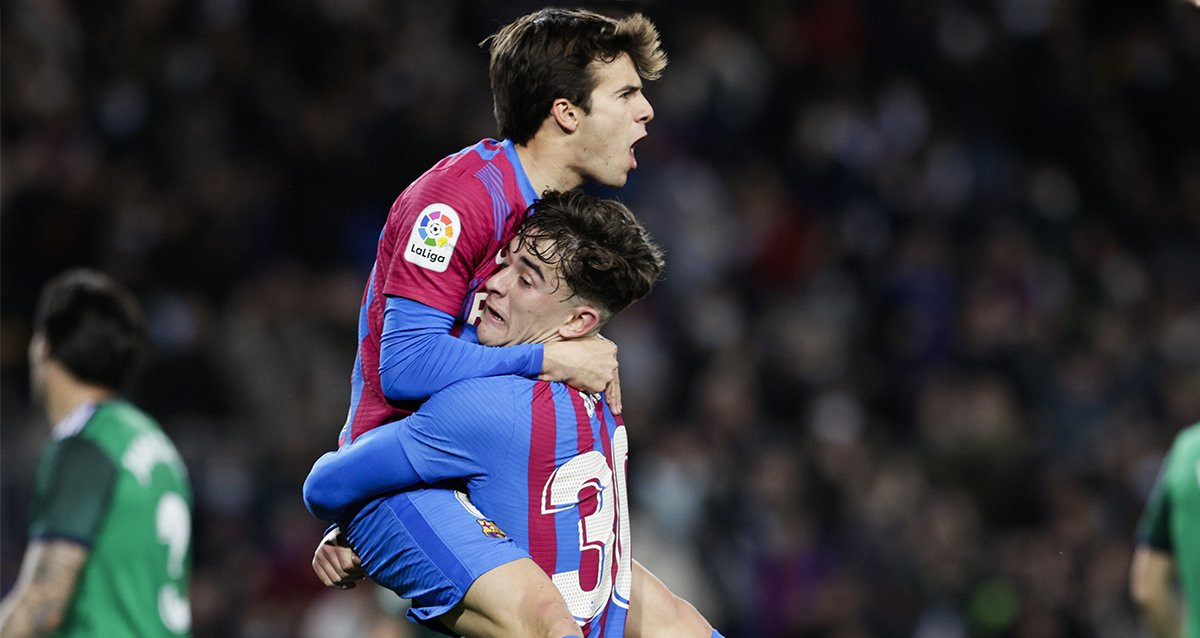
x=110, y=479
x=1172, y=518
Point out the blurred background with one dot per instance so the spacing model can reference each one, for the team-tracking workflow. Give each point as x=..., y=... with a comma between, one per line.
x=930, y=322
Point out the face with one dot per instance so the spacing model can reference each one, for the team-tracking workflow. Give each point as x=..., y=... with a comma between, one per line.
x=526, y=302
x=615, y=123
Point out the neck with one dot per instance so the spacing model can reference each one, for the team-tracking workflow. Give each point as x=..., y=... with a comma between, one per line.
x=64, y=395
x=548, y=166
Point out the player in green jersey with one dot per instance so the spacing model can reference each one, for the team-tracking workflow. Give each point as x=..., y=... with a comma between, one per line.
x=110, y=539
x=1169, y=543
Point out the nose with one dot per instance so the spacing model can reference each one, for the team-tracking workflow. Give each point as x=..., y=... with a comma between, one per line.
x=645, y=111
x=497, y=284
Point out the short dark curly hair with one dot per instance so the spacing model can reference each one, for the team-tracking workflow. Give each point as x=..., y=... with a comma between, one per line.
x=93, y=326
x=546, y=55
x=604, y=255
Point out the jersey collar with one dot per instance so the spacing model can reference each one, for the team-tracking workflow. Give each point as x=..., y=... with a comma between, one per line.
x=74, y=422
x=510, y=151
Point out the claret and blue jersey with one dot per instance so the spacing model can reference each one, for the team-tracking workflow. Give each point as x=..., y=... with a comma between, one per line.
x=545, y=462
x=438, y=246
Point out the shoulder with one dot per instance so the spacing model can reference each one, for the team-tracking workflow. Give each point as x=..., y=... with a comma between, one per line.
x=500, y=386
x=114, y=424
x=124, y=413
x=482, y=410
x=77, y=453
x=1187, y=443
x=459, y=178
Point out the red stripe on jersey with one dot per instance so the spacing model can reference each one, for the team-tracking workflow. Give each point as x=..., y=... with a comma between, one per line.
x=543, y=540
x=583, y=423
x=591, y=561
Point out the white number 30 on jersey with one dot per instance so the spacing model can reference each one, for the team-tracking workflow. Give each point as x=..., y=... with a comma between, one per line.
x=603, y=531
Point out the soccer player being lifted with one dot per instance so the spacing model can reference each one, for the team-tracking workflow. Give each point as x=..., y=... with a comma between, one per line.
x=568, y=98
x=546, y=462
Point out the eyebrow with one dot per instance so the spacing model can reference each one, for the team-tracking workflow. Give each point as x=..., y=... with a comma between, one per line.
x=532, y=265
x=629, y=87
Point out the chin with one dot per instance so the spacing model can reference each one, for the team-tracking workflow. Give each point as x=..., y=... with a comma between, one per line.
x=616, y=181
x=489, y=337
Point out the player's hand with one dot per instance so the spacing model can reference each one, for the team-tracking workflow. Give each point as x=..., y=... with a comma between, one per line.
x=588, y=364
x=612, y=394
x=335, y=563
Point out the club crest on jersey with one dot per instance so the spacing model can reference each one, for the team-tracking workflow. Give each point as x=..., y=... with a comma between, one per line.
x=431, y=242
x=491, y=529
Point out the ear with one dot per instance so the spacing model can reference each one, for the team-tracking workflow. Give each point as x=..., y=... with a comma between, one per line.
x=565, y=114
x=583, y=321
x=38, y=347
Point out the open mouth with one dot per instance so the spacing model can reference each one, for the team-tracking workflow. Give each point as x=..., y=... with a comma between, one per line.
x=632, y=156
x=492, y=314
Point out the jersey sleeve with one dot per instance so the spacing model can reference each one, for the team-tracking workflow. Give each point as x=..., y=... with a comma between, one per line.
x=1155, y=527
x=445, y=224
x=460, y=433
x=418, y=355
x=464, y=432
x=74, y=486
x=372, y=465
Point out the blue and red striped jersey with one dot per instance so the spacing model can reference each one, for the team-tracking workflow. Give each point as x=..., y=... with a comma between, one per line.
x=548, y=465
x=439, y=244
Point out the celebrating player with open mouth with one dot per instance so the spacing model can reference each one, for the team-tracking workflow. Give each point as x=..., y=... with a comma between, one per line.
x=569, y=104
x=545, y=461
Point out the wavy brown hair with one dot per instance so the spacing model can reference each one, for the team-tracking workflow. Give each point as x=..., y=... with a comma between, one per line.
x=603, y=254
x=546, y=55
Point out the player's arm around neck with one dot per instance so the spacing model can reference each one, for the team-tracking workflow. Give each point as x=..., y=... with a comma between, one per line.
x=588, y=364
x=48, y=577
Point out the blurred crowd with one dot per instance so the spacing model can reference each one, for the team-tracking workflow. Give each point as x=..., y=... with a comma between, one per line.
x=931, y=316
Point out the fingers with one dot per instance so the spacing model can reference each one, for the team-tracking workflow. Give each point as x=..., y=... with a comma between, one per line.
x=612, y=394
x=326, y=572
x=335, y=563
x=336, y=570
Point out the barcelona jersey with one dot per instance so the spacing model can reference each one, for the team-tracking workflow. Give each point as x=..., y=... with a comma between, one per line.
x=438, y=246
x=548, y=466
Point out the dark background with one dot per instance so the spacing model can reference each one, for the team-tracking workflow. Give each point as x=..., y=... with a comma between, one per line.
x=931, y=316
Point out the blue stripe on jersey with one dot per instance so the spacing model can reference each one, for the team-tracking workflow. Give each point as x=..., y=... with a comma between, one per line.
x=356, y=375
x=465, y=310
x=493, y=181
x=522, y=179
x=428, y=540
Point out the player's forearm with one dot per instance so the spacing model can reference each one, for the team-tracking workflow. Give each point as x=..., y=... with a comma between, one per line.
x=27, y=617
x=656, y=612
x=1152, y=575
x=373, y=465
x=1163, y=616
x=419, y=357
x=39, y=600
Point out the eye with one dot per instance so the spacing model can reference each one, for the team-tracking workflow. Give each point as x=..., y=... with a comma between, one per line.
x=526, y=281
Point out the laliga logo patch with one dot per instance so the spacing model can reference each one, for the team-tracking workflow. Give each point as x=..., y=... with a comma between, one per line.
x=431, y=242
